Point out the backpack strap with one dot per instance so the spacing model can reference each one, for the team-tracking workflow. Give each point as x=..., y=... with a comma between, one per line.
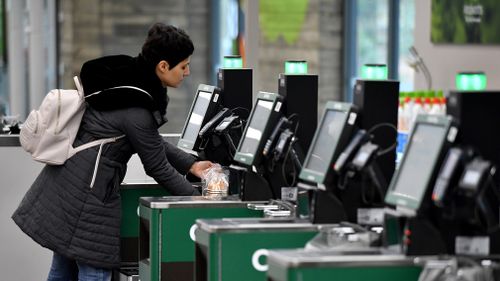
x=121, y=87
x=78, y=85
x=96, y=142
x=79, y=88
x=96, y=165
x=160, y=120
x=101, y=143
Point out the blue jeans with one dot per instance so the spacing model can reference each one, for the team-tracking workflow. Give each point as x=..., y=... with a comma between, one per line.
x=64, y=269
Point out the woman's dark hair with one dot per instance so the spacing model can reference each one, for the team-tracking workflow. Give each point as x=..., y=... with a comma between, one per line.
x=166, y=42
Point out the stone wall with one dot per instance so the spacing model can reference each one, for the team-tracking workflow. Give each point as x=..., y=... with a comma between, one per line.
x=331, y=48
x=93, y=28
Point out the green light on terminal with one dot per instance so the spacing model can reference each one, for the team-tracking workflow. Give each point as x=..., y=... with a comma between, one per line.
x=233, y=62
x=471, y=81
x=374, y=71
x=295, y=67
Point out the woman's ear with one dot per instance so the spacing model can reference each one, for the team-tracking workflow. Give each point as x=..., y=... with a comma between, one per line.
x=163, y=66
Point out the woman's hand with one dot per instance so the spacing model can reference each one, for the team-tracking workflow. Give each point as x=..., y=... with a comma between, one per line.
x=199, y=166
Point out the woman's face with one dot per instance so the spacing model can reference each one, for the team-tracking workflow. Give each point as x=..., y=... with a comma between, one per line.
x=172, y=77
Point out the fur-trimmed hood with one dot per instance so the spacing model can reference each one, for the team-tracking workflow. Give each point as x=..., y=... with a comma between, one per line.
x=105, y=73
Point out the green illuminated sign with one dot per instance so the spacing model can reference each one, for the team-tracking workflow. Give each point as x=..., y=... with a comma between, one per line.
x=374, y=71
x=471, y=81
x=296, y=67
x=233, y=62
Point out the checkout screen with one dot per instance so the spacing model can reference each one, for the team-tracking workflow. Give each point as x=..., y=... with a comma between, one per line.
x=197, y=115
x=419, y=161
x=256, y=127
x=321, y=152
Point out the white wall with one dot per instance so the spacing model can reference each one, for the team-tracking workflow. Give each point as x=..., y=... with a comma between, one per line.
x=444, y=61
x=20, y=257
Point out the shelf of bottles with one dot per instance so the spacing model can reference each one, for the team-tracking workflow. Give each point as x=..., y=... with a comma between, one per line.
x=410, y=105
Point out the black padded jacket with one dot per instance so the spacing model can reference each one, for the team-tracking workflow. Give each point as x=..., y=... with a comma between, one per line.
x=63, y=213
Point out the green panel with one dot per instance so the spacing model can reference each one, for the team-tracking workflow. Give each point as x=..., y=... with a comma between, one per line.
x=385, y=273
x=130, y=201
x=177, y=246
x=151, y=270
x=392, y=231
x=238, y=249
x=212, y=257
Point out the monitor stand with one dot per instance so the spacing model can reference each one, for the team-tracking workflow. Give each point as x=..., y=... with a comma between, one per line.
x=327, y=208
x=220, y=148
x=248, y=184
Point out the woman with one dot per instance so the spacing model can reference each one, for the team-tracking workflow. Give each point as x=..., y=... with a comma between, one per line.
x=75, y=213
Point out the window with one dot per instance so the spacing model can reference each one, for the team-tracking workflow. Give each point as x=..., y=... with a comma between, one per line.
x=371, y=27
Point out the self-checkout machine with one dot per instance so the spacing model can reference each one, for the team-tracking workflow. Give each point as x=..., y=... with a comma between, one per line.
x=463, y=218
x=359, y=186
x=290, y=132
x=235, y=83
x=444, y=198
x=352, y=249
x=376, y=98
x=167, y=224
x=230, y=249
x=472, y=182
x=349, y=187
x=444, y=204
x=459, y=212
x=429, y=140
